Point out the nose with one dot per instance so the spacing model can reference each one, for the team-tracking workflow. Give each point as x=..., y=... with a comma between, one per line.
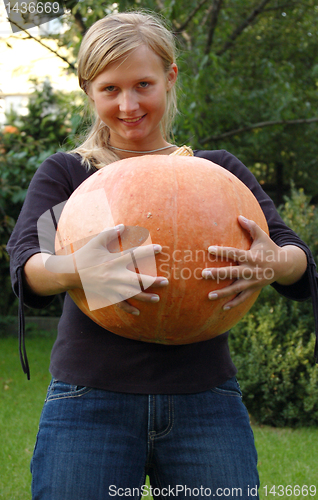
x=128, y=102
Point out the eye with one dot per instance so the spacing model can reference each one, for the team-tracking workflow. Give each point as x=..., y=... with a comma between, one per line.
x=143, y=85
x=110, y=88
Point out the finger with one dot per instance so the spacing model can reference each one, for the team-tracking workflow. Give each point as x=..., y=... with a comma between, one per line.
x=145, y=251
x=131, y=278
x=251, y=226
x=147, y=297
x=160, y=281
x=243, y=273
x=141, y=252
x=238, y=299
x=111, y=233
x=235, y=288
x=221, y=273
x=128, y=308
x=143, y=260
x=228, y=253
x=142, y=297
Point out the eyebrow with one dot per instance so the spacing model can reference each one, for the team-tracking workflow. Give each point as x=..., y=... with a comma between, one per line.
x=105, y=84
x=110, y=84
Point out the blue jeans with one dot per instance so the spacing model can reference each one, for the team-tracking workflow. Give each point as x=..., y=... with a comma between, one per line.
x=94, y=445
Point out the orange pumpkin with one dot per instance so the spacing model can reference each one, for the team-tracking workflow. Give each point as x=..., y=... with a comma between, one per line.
x=186, y=204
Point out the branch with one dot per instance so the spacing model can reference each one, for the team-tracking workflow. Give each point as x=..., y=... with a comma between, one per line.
x=71, y=65
x=258, y=125
x=282, y=6
x=183, y=26
x=237, y=32
x=80, y=22
x=214, y=19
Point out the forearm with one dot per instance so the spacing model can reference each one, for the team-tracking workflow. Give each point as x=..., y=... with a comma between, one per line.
x=294, y=264
x=42, y=281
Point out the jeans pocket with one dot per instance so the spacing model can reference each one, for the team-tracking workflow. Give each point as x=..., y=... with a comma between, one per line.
x=61, y=390
x=229, y=388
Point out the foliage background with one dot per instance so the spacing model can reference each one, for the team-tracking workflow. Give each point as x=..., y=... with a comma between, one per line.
x=244, y=64
x=273, y=345
x=248, y=83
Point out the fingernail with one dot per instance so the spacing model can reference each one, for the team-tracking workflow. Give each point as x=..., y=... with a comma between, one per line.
x=207, y=274
x=135, y=313
x=155, y=298
x=157, y=248
x=243, y=218
x=213, y=295
x=164, y=282
x=212, y=249
x=119, y=227
x=226, y=308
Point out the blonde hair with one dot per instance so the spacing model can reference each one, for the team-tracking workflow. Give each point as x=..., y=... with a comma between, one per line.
x=107, y=40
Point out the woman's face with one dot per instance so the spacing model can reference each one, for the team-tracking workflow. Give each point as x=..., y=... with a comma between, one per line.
x=130, y=98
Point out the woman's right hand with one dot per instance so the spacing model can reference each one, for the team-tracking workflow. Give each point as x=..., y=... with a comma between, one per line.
x=104, y=276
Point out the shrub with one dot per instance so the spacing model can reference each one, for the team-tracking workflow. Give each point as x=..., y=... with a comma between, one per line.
x=25, y=142
x=273, y=345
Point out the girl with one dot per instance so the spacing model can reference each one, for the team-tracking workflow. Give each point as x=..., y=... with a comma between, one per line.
x=118, y=409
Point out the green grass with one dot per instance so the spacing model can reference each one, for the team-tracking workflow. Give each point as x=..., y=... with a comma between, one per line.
x=21, y=402
x=286, y=456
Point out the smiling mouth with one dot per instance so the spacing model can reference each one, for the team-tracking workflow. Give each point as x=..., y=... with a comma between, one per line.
x=131, y=120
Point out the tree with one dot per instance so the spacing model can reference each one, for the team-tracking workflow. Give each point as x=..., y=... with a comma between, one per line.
x=24, y=145
x=249, y=79
x=254, y=91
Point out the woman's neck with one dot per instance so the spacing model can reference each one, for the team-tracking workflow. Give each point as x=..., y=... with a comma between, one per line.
x=169, y=148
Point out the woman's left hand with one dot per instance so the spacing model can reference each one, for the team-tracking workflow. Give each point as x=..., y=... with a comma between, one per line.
x=261, y=265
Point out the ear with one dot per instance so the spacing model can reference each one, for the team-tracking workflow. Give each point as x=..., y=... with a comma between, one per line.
x=172, y=76
x=88, y=90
